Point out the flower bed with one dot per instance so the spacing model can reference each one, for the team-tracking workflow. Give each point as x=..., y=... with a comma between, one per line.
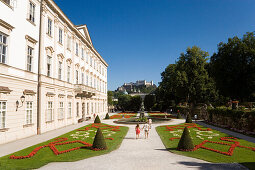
x=52, y=145
x=72, y=146
x=127, y=113
x=120, y=115
x=210, y=145
x=156, y=113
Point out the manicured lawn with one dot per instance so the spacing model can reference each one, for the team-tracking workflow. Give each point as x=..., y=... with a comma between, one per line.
x=245, y=156
x=46, y=155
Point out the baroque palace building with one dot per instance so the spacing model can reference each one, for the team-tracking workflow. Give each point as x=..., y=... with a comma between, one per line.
x=51, y=75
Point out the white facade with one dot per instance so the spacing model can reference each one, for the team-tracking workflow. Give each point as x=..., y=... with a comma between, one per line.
x=65, y=49
x=18, y=68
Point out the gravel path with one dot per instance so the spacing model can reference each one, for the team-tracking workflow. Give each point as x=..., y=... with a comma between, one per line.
x=142, y=154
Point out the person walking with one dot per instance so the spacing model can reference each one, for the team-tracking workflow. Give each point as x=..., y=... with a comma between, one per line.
x=146, y=128
x=137, y=131
x=150, y=122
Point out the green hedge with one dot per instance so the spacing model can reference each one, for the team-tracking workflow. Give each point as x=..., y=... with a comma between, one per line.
x=239, y=120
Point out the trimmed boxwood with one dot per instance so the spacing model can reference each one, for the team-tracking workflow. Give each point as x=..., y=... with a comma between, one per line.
x=179, y=116
x=97, y=120
x=188, y=119
x=107, y=116
x=185, y=143
x=99, y=141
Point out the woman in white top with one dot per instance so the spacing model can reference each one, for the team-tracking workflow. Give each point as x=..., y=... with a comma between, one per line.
x=146, y=128
x=150, y=122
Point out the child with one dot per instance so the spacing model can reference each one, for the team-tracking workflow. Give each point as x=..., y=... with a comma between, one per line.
x=137, y=131
x=146, y=128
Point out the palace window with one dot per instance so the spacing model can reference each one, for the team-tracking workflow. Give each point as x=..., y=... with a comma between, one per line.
x=68, y=73
x=49, y=27
x=3, y=107
x=31, y=12
x=82, y=53
x=59, y=70
x=82, y=78
x=77, y=49
x=87, y=80
x=61, y=110
x=29, y=112
x=69, y=43
x=3, y=48
x=77, y=77
x=77, y=109
x=69, y=109
x=49, y=63
x=49, y=111
x=29, y=58
x=60, y=36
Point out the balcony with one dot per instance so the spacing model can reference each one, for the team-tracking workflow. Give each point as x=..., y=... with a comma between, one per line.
x=84, y=91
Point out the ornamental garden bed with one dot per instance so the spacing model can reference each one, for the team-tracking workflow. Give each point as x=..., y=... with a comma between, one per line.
x=120, y=115
x=72, y=146
x=210, y=145
x=160, y=116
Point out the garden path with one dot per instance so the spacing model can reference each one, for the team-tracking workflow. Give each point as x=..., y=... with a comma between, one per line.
x=142, y=154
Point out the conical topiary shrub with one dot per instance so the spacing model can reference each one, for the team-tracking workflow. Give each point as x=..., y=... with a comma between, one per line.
x=185, y=143
x=107, y=116
x=179, y=116
x=188, y=119
x=97, y=120
x=99, y=142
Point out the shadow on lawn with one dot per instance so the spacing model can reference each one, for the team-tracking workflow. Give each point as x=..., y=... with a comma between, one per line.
x=166, y=149
x=250, y=165
x=130, y=138
x=212, y=166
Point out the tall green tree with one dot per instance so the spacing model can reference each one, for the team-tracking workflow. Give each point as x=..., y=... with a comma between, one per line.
x=187, y=80
x=109, y=97
x=192, y=81
x=135, y=103
x=124, y=102
x=166, y=90
x=149, y=101
x=233, y=67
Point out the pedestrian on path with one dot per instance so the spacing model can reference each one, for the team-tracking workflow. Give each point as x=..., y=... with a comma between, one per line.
x=146, y=128
x=137, y=131
x=150, y=122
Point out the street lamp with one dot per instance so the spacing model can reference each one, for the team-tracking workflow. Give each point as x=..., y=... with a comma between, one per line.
x=22, y=99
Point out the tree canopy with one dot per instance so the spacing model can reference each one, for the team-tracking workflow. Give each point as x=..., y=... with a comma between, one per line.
x=188, y=80
x=233, y=67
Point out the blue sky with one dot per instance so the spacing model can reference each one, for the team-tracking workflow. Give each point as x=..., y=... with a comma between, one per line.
x=139, y=38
